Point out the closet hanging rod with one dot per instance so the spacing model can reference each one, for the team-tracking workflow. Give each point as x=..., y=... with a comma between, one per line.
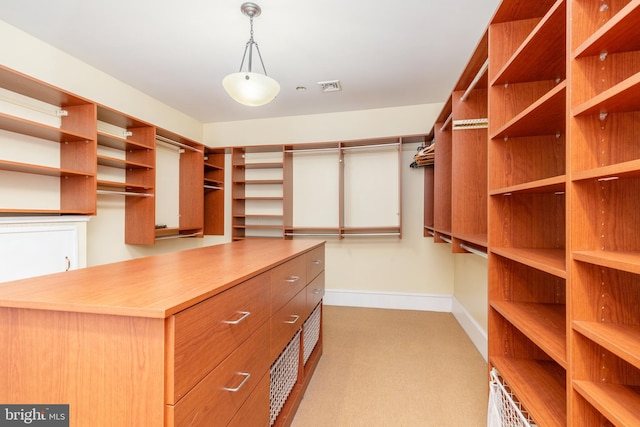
x=357, y=147
x=370, y=234
x=34, y=105
x=446, y=122
x=313, y=234
x=178, y=236
x=342, y=148
x=474, y=250
x=123, y=193
x=446, y=239
x=308, y=150
x=475, y=81
x=212, y=187
x=177, y=144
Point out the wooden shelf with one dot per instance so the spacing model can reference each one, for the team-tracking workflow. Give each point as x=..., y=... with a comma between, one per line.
x=121, y=163
x=630, y=169
x=266, y=165
x=619, y=260
x=123, y=144
x=621, y=340
x=545, y=45
x=544, y=324
x=540, y=387
x=260, y=181
x=619, y=403
x=516, y=11
x=546, y=116
x=551, y=261
x=607, y=38
x=258, y=227
x=474, y=239
x=121, y=186
x=620, y=98
x=40, y=170
x=39, y=130
x=554, y=184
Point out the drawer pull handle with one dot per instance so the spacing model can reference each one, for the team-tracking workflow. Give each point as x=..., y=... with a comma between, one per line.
x=245, y=314
x=317, y=291
x=293, y=279
x=317, y=261
x=246, y=376
x=295, y=318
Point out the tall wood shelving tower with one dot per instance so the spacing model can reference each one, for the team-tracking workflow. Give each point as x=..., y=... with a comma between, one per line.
x=563, y=178
x=604, y=116
x=527, y=205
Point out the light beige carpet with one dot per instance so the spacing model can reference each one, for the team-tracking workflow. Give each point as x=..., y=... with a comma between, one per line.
x=395, y=368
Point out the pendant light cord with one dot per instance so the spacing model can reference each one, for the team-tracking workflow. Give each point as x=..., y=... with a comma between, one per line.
x=249, y=47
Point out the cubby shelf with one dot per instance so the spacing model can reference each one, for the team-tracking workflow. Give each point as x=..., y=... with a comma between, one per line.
x=619, y=403
x=544, y=324
x=545, y=116
x=621, y=340
x=620, y=260
x=539, y=385
x=123, y=144
x=551, y=261
x=545, y=44
x=620, y=98
x=607, y=38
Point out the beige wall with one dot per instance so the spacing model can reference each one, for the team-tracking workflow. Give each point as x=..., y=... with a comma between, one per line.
x=470, y=287
x=412, y=265
x=408, y=265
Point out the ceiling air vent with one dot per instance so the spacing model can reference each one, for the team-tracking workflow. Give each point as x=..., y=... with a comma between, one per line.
x=330, y=86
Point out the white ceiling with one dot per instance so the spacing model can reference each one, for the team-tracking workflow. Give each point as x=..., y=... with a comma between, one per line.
x=386, y=53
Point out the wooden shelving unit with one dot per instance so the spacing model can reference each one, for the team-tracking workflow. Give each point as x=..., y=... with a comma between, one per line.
x=604, y=387
x=459, y=206
x=563, y=89
x=102, y=152
x=527, y=205
x=214, y=191
x=74, y=136
x=191, y=177
x=264, y=185
x=130, y=145
x=258, y=193
x=442, y=175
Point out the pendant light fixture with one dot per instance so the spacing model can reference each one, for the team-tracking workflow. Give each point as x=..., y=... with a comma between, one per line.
x=247, y=87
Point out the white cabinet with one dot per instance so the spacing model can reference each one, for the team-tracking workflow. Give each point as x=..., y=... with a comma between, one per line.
x=33, y=246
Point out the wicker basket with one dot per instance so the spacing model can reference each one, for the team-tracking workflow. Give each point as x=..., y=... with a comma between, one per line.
x=283, y=376
x=504, y=408
x=311, y=333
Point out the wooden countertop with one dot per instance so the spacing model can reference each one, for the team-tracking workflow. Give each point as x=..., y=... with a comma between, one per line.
x=155, y=286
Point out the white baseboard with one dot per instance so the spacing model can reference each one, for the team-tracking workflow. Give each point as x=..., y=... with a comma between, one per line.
x=473, y=329
x=392, y=300
x=410, y=301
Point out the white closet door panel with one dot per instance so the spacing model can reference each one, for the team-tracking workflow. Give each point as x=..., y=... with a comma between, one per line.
x=371, y=188
x=316, y=189
x=27, y=251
